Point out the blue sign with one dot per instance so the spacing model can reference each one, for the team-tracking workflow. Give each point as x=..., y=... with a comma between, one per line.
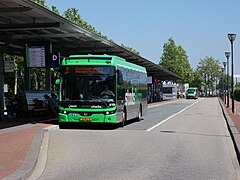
x=55, y=59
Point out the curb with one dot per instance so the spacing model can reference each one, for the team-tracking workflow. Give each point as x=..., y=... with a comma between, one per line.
x=29, y=163
x=234, y=133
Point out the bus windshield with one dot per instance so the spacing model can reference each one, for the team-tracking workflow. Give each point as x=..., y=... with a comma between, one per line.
x=84, y=85
x=167, y=90
x=191, y=90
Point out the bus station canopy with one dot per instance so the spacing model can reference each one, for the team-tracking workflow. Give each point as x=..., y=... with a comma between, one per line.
x=23, y=21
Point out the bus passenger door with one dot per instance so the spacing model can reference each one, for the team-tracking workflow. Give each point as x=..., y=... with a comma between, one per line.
x=120, y=95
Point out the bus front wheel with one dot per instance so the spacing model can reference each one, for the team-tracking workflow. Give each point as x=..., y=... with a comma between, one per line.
x=62, y=125
x=124, y=118
x=139, y=118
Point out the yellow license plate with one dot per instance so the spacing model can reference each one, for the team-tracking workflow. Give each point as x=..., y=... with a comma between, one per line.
x=85, y=119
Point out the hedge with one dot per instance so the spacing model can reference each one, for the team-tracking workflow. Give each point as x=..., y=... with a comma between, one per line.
x=237, y=94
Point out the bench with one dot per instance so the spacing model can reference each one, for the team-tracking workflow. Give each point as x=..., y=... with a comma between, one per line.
x=30, y=96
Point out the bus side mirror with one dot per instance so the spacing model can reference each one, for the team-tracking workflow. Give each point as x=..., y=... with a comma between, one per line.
x=119, y=77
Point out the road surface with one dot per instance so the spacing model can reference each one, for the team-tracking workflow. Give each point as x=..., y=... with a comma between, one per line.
x=183, y=139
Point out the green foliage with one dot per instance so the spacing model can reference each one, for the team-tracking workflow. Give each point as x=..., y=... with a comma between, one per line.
x=210, y=70
x=175, y=59
x=237, y=85
x=37, y=75
x=197, y=80
x=237, y=94
x=37, y=78
x=73, y=15
x=54, y=9
x=18, y=69
x=130, y=49
x=41, y=2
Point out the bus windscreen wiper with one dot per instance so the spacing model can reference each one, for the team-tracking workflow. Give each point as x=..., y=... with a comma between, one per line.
x=97, y=97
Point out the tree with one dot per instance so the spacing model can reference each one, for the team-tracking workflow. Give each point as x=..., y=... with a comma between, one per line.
x=237, y=85
x=54, y=9
x=197, y=80
x=41, y=2
x=210, y=70
x=175, y=59
x=73, y=15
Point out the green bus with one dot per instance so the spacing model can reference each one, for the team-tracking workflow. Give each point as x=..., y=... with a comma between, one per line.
x=84, y=79
x=192, y=93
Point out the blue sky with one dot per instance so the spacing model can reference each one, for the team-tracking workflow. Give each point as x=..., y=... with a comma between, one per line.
x=200, y=27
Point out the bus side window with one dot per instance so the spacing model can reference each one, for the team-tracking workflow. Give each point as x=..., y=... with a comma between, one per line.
x=119, y=77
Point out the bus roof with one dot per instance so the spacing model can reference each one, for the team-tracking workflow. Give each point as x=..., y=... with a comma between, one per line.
x=97, y=57
x=192, y=88
x=100, y=60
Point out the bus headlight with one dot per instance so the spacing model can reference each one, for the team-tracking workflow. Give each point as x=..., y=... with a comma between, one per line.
x=110, y=112
x=112, y=104
x=62, y=112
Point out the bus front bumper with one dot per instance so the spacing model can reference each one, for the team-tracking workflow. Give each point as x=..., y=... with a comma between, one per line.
x=95, y=118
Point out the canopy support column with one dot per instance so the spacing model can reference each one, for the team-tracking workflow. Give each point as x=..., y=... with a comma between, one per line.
x=26, y=79
x=1, y=86
x=48, y=71
x=48, y=79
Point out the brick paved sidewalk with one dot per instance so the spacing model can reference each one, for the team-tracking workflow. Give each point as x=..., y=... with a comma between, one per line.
x=234, y=116
x=14, y=147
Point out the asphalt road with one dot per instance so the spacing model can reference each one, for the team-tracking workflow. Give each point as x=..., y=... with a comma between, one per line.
x=192, y=144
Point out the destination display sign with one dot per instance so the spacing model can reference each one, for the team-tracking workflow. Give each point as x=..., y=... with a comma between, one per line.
x=83, y=70
x=35, y=56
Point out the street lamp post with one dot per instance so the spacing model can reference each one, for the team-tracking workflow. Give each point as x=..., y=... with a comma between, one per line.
x=231, y=38
x=227, y=54
x=224, y=81
x=222, y=75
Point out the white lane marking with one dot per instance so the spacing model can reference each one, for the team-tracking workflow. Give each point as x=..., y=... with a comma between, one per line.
x=161, y=104
x=173, y=115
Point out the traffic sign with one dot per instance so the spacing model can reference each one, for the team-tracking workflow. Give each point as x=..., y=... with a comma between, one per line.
x=55, y=59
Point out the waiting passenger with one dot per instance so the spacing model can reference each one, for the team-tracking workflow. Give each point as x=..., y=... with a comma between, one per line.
x=51, y=104
x=54, y=97
x=38, y=103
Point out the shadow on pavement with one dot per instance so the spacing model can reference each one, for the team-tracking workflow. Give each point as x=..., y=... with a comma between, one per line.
x=94, y=126
x=51, y=119
x=88, y=126
x=195, y=134
x=7, y=123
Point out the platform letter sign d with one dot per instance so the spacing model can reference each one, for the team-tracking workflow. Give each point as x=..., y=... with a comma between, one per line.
x=55, y=59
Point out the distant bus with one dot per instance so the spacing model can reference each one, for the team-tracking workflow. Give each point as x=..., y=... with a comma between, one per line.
x=192, y=93
x=83, y=78
x=169, y=91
